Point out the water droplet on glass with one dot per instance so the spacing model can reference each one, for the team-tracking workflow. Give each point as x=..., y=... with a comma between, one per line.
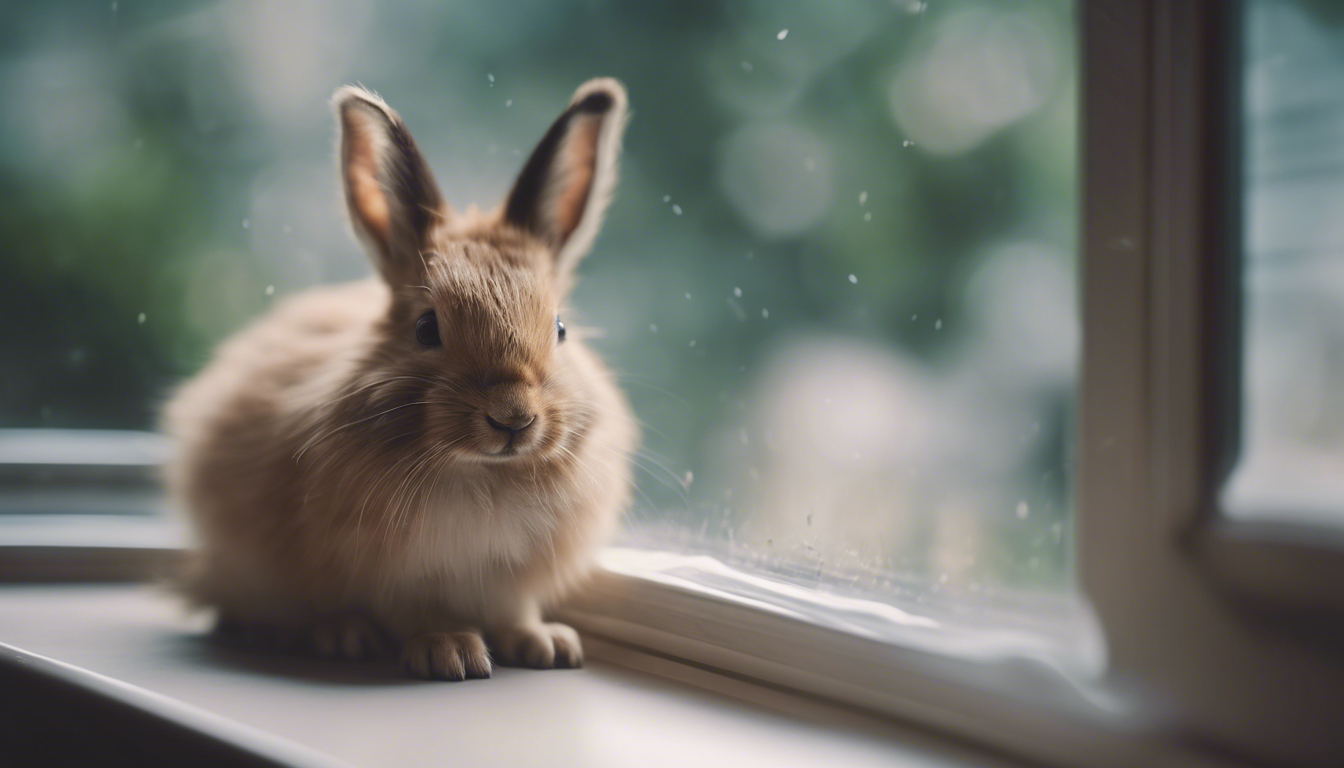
x=491, y=78
x=938, y=325
x=783, y=33
x=854, y=279
x=1121, y=243
x=690, y=478
x=737, y=292
x=688, y=297
x=676, y=209
x=667, y=198
x=692, y=344
x=765, y=313
x=140, y=318
x=509, y=103
x=246, y=224
x=738, y=312
x=1022, y=510
x=868, y=216
x=863, y=197
x=270, y=290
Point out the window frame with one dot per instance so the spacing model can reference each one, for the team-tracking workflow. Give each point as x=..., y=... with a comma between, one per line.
x=1205, y=618
x=1217, y=616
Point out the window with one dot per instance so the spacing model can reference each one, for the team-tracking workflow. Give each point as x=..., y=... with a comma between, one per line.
x=842, y=298
x=1221, y=617
x=1294, y=279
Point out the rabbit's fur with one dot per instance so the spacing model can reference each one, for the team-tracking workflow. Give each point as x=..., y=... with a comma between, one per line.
x=353, y=488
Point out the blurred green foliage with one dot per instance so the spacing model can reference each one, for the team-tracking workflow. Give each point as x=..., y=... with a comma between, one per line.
x=165, y=175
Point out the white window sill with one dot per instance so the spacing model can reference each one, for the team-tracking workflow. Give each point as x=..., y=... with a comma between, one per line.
x=1029, y=689
x=311, y=712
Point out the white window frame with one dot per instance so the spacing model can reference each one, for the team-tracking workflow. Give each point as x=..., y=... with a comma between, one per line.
x=1221, y=637
x=1234, y=624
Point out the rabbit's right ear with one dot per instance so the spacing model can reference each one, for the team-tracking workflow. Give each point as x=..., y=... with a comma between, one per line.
x=567, y=182
x=389, y=189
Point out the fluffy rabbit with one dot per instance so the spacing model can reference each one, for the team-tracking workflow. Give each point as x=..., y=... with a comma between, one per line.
x=426, y=460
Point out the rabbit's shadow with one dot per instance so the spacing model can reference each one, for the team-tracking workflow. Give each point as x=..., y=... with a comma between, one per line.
x=210, y=650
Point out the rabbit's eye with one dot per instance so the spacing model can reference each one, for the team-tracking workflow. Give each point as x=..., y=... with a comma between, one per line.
x=559, y=328
x=427, y=330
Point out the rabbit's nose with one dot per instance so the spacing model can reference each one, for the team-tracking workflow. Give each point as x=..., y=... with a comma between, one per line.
x=514, y=421
x=511, y=407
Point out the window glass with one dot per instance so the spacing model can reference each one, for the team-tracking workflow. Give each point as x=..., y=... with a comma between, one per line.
x=1293, y=425
x=838, y=281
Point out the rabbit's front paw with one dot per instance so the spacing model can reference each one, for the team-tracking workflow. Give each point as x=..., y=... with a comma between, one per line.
x=347, y=636
x=446, y=656
x=540, y=646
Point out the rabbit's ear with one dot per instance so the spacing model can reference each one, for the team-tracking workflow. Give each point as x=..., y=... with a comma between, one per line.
x=389, y=189
x=565, y=187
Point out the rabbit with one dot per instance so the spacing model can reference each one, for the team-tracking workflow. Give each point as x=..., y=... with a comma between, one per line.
x=426, y=460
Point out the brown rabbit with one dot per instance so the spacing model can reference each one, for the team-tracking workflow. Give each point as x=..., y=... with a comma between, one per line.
x=425, y=458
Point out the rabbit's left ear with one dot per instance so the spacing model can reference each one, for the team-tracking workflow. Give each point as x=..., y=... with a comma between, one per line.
x=389, y=189
x=567, y=183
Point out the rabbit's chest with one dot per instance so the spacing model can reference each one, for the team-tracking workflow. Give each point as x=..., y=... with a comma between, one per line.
x=465, y=538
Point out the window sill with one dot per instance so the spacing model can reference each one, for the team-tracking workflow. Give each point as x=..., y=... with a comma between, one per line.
x=87, y=548
x=136, y=648
x=1039, y=696
x=1036, y=695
